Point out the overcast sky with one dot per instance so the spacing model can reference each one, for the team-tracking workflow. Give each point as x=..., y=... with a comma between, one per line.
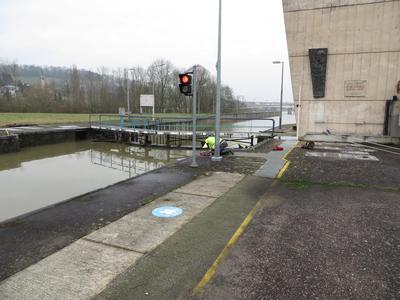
x=121, y=33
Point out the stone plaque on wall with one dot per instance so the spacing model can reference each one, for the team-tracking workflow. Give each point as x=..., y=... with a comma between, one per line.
x=355, y=88
x=318, y=61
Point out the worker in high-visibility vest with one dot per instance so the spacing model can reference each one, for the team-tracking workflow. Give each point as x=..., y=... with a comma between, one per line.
x=210, y=144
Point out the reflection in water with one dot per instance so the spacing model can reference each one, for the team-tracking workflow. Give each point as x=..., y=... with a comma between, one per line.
x=40, y=176
x=134, y=160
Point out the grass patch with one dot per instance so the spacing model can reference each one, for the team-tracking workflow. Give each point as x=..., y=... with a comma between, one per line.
x=61, y=118
x=41, y=118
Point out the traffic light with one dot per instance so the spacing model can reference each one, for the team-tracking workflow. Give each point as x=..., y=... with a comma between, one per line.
x=185, y=84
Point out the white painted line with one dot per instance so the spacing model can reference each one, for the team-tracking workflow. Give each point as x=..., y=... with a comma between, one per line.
x=342, y=149
x=357, y=152
x=344, y=156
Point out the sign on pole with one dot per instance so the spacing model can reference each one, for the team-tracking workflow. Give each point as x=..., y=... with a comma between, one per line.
x=146, y=101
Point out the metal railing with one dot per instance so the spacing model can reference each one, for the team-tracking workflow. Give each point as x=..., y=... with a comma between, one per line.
x=232, y=126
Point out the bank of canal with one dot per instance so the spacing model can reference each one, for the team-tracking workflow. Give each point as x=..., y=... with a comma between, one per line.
x=39, y=176
x=44, y=175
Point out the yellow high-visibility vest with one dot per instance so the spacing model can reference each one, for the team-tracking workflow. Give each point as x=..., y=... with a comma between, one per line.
x=210, y=142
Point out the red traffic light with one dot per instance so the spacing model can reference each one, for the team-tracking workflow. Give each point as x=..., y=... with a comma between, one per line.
x=185, y=85
x=185, y=78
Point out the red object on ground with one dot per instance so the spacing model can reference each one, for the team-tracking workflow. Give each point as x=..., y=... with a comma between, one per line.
x=205, y=153
x=278, y=148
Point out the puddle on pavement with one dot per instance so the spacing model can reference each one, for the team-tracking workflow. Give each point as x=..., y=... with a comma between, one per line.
x=40, y=176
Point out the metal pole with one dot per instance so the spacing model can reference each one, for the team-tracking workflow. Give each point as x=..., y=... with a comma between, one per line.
x=194, y=99
x=127, y=91
x=299, y=113
x=280, y=112
x=154, y=97
x=154, y=91
x=217, y=155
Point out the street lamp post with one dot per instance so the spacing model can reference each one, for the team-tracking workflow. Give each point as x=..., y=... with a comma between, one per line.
x=127, y=91
x=154, y=90
x=127, y=88
x=217, y=155
x=280, y=111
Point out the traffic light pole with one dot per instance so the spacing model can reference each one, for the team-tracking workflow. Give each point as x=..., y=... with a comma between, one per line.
x=194, y=105
x=280, y=111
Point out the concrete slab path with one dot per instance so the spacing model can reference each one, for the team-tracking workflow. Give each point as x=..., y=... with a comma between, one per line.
x=275, y=161
x=86, y=267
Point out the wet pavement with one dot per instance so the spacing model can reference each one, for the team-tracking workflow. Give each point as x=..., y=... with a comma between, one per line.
x=29, y=239
x=328, y=230
x=174, y=268
x=84, y=268
x=383, y=172
x=316, y=243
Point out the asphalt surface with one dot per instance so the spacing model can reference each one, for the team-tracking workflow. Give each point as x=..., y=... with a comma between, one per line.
x=176, y=266
x=383, y=173
x=316, y=243
x=28, y=239
x=328, y=230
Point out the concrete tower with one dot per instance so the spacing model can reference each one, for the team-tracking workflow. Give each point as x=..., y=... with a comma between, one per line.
x=345, y=65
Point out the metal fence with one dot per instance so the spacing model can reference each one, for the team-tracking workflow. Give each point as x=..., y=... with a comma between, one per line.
x=206, y=124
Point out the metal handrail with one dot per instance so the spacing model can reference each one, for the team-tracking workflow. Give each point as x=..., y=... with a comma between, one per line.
x=165, y=123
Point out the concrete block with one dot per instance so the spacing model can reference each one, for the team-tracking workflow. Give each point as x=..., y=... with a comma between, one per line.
x=141, y=231
x=212, y=186
x=79, y=271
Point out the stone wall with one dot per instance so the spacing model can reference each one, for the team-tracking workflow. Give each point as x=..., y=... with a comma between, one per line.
x=363, y=67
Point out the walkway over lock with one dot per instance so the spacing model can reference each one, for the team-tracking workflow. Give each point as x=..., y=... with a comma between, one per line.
x=167, y=131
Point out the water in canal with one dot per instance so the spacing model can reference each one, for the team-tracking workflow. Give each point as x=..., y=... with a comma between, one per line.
x=40, y=176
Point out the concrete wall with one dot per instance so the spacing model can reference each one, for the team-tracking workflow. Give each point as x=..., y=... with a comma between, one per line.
x=9, y=143
x=363, y=41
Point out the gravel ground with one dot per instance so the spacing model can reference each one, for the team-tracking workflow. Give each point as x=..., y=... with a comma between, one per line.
x=317, y=243
x=328, y=230
x=383, y=173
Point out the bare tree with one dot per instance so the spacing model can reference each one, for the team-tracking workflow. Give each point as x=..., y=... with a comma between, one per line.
x=104, y=90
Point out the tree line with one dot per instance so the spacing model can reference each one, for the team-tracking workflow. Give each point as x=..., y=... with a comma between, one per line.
x=73, y=90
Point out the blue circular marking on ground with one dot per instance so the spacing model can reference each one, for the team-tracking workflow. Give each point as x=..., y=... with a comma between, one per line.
x=167, y=212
